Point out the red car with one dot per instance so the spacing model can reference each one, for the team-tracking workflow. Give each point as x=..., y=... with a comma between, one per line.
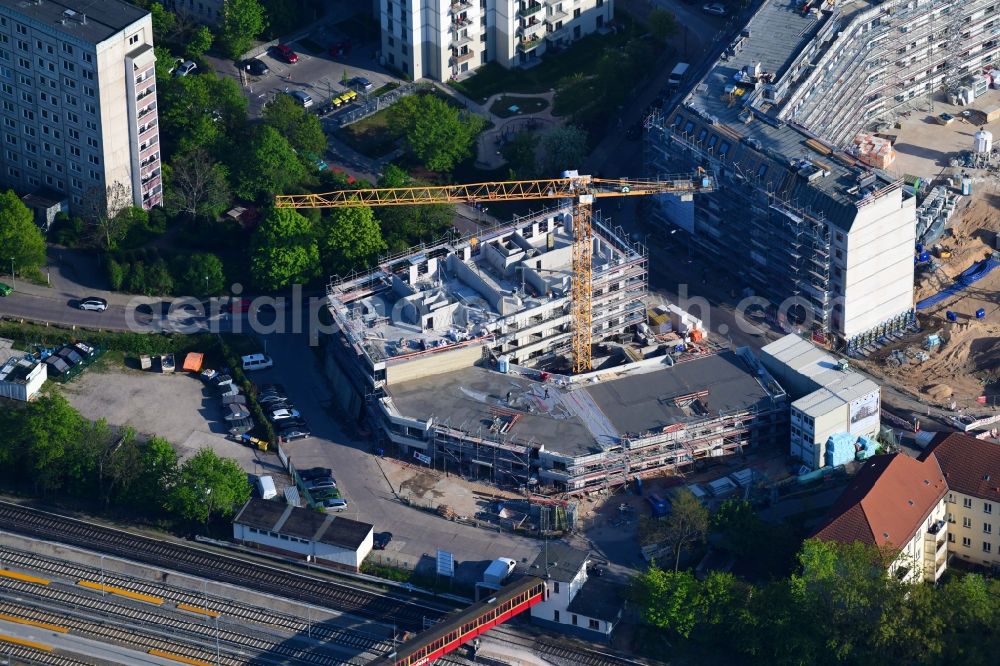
x=340, y=48
x=286, y=54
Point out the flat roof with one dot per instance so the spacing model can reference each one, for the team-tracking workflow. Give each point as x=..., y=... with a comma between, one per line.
x=303, y=523
x=560, y=561
x=600, y=599
x=104, y=18
x=16, y=370
x=822, y=370
x=643, y=402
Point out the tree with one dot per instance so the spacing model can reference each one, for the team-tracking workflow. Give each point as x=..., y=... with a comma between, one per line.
x=405, y=226
x=668, y=599
x=209, y=486
x=197, y=185
x=520, y=153
x=199, y=275
x=349, y=238
x=686, y=524
x=563, y=148
x=164, y=22
x=159, y=282
x=156, y=476
x=662, y=24
x=50, y=429
x=269, y=166
x=21, y=241
x=437, y=134
x=302, y=129
x=108, y=215
x=283, y=250
x=242, y=22
x=199, y=42
x=201, y=111
x=764, y=549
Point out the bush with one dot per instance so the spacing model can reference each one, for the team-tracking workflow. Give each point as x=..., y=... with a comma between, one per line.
x=116, y=274
x=27, y=336
x=66, y=230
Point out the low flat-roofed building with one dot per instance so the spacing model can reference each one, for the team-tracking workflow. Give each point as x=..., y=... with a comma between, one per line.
x=21, y=379
x=587, y=433
x=828, y=398
x=322, y=538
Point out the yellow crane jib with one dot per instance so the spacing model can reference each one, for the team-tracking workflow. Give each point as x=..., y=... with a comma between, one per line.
x=581, y=189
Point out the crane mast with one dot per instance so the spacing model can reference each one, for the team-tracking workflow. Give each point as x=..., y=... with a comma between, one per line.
x=581, y=189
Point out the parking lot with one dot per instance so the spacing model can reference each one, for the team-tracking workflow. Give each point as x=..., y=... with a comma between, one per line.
x=360, y=478
x=178, y=407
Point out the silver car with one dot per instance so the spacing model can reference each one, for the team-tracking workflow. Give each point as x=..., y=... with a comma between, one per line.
x=93, y=303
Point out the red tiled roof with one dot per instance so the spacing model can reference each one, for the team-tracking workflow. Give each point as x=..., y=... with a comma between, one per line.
x=887, y=501
x=971, y=466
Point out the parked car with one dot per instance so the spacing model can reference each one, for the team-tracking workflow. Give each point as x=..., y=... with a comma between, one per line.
x=279, y=414
x=321, y=484
x=315, y=473
x=257, y=67
x=361, y=83
x=382, y=540
x=335, y=505
x=714, y=8
x=283, y=52
x=293, y=433
x=302, y=98
x=185, y=68
x=338, y=49
x=5, y=289
x=93, y=303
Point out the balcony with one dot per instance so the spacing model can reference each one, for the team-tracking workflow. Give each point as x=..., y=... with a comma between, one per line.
x=148, y=134
x=556, y=15
x=526, y=45
x=529, y=10
x=460, y=5
x=460, y=21
x=530, y=27
x=457, y=58
x=460, y=40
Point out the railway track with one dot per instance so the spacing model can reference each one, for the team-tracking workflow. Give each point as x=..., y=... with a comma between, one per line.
x=567, y=652
x=222, y=568
x=244, y=612
x=19, y=654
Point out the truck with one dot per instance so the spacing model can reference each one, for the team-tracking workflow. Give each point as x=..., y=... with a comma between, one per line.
x=677, y=74
x=498, y=570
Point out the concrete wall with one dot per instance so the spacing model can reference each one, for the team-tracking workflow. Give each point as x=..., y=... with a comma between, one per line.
x=434, y=363
x=469, y=276
x=878, y=264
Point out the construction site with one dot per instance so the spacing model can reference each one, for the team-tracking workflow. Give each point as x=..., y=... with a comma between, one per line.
x=466, y=357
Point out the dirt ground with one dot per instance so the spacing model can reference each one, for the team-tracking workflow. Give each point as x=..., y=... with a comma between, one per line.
x=432, y=487
x=177, y=407
x=967, y=364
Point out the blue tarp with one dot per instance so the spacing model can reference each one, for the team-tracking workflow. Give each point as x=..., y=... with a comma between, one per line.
x=971, y=275
x=839, y=449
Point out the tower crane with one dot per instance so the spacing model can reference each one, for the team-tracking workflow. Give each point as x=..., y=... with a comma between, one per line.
x=581, y=189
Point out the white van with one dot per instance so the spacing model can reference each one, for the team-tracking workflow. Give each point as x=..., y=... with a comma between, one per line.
x=257, y=362
x=677, y=74
x=265, y=484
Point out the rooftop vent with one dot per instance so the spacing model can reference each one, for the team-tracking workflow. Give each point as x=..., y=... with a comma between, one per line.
x=910, y=502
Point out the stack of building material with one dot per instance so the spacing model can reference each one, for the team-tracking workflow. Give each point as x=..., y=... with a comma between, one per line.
x=873, y=150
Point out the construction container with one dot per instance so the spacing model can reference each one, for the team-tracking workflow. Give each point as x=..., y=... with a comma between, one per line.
x=992, y=114
x=145, y=362
x=951, y=316
x=966, y=185
x=503, y=364
x=659, y=321
x=980, y=313
x=982, y=141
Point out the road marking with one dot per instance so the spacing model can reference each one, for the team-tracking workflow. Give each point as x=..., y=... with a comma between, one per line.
x=34, y=623
x=178, y=657
x=26, y=643
x=198, y=609
x=138, y=596
x=27, y=578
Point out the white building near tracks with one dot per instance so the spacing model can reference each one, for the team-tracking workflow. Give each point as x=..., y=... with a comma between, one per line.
x=320, y=538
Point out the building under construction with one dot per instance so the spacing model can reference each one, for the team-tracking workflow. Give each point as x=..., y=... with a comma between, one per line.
x=457, y=355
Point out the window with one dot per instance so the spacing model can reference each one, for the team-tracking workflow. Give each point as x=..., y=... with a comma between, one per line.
x=966, y=522
x=951, y=498
x=987, y=507
x=572, y=619
x=966, y=541
x=555, y=615
x=555, y=586
x=951, y=538
x=987, y=528
x=595, y=625
x=21, y=30
x=68, y=66
x=134, y=39
x=987, y=546
x=967, y=502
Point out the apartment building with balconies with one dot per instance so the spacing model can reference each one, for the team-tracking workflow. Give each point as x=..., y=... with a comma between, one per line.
x=944, y=504
x=445, y=39
x=78, y=99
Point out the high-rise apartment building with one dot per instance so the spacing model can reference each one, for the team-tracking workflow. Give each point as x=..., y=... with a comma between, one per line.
x=443, y=39
x=78, y=99
x=821, y=236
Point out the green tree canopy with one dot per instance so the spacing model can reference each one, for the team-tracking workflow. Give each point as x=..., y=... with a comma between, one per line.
x=662, y=24
x=283, y=250
x=268, y=166
x=349, y=238
x=302, y=129
x=405, y=226
x=437, y=134
x=20, y=238
x=521, y=155
x=685, y=525
x=199, y=42
x=48, y=433
x=197, y=185
x=209, y=486
x=668, y=599
x=242, y=22
x=200, y=274
x=202, y=111
x=563, y=148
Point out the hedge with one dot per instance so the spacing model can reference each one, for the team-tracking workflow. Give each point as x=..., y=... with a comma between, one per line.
x=27, y=335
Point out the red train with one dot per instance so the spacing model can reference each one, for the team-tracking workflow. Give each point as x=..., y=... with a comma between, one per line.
x=455, y=631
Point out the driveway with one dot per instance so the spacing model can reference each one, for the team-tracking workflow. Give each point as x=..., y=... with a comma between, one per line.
x=416, y=534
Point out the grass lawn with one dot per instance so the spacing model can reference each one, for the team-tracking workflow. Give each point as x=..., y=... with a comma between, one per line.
x=392, y=85
x=371, y=136
x=501, y=107
x=581, y=57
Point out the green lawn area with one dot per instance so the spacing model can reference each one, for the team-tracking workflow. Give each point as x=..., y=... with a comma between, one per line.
x=371, y=136
x=501, y=107
x=392, y=85
x=579, y=58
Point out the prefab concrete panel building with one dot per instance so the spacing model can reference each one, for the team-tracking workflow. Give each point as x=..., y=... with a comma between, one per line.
x=21, y=379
